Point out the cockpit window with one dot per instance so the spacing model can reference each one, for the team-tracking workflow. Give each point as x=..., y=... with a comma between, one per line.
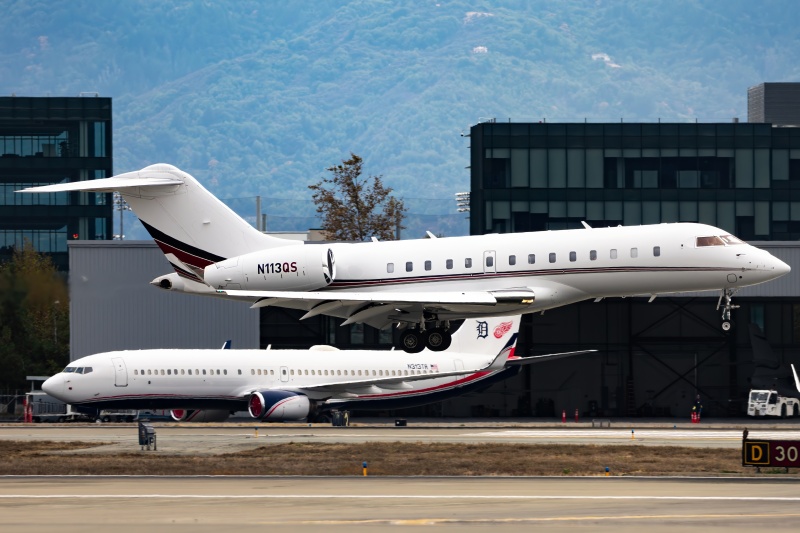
x=87, y=369
x=69, y=369
x=730, y=239
x=710, y=241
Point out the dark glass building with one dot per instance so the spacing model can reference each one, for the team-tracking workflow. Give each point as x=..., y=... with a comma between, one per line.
x=654, y=357
x=742, y=177
x=46, y=141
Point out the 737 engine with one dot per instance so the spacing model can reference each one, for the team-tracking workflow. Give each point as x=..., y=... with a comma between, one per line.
x=304, y=267
x=277, y=406
x=199, y=415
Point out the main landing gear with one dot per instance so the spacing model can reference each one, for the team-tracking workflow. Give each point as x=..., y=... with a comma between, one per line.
x=415, y=339
x=727, y=297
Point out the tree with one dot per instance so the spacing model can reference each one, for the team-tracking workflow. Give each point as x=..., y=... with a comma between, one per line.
x=34, y=317
x=354, y=208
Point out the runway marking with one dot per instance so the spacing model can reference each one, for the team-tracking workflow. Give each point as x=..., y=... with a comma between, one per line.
x=664, y=434
x=396, y=496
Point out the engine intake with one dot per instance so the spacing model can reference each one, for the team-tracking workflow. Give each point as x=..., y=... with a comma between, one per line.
x=277, y=406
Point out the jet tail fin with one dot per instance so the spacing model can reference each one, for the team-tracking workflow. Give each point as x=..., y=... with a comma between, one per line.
x=183, y=218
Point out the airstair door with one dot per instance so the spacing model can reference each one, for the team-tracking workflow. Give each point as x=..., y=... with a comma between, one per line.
x=489, y=261
x=120, y=372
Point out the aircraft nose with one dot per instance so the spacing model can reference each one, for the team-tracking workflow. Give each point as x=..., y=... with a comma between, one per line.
x=779, y=267
x=54, y=385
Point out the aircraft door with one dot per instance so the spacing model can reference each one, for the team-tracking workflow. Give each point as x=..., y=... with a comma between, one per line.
x=458, y=364
x=489, y=262
x=284, y=373
x=120, y=372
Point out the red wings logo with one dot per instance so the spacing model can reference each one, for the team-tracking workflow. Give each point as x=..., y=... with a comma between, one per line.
x=502, y=329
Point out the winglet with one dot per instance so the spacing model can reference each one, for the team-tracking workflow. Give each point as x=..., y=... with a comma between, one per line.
x=796, y=380
x=227, y=345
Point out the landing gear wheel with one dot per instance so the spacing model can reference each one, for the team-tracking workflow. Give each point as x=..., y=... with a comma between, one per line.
x=726, y=326
x=411, y=341
x=437, y=339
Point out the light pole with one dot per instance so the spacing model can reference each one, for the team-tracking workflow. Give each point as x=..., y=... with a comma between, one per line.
x=120, y=205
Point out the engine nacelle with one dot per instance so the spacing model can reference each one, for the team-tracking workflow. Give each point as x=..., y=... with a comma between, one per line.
x=199, y=415
x=287, y=268
x=173, y=282
x=277, y=406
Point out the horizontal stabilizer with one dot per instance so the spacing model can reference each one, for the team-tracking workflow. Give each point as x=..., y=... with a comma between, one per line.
x=115, y=183
x=542, y=358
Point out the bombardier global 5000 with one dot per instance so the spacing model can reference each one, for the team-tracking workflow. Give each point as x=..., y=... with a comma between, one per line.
x=423, y=284
x=279, y=385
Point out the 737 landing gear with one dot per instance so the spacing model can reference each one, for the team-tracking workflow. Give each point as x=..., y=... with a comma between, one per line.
x=725, y=301
x=414, y=340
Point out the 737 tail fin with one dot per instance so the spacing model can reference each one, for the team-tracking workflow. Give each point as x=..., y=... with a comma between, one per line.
x=191, y=226
x=488, y=335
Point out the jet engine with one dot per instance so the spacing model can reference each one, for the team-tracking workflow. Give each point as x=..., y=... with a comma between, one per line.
x=288, y=268
x=277, y=406
x=173, y=282
x=199, y=415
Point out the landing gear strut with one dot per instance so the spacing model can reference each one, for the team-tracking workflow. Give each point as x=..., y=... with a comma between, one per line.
x=725, y=301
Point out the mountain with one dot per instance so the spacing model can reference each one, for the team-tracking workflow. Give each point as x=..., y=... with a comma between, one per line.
x=258, y=98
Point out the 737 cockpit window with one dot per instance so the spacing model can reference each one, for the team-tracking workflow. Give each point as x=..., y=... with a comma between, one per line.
x=709, y=241
x=69, y=369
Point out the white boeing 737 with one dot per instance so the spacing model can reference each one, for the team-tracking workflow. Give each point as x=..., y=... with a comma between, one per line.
x=422, y=284
x=293, y=384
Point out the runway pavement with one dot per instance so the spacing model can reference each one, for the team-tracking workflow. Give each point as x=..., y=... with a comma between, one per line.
x=202, y=439
x=376, y=504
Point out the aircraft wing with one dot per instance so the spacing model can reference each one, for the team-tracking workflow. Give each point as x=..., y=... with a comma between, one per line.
x=517, y=361
x=105, y=185
x=382, y=308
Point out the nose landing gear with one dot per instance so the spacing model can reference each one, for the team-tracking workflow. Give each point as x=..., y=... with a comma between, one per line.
x=727, y=306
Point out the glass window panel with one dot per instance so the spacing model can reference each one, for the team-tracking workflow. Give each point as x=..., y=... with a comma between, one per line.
x=669, y=211
x=613, y=253
x=557, y=168
x=707, y=213
x=651, y=212
x=633, y=214
x=519, y=168
x=488, y=214
x=594, y=211
x=688, y=211
x=794, y=211
x=538, y=164
x=575, y=168
x=780, y=211
x=512, y=260
x=744, y=209
x=761, y=169
x=558, y=209
x=576, y=209
x=613, y=211
x=593, y=255
x=501, y=210
x=552, y=257
x=634, y=253
x=726, y=217
x=780, y=165
x=762, y=218
x=519, y=207
x=539, y=207
x=688, y=179
x=594, y=168
x=744, y=168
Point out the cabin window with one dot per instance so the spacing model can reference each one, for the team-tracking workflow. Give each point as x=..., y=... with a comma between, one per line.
x=197, y=371
x=345, y=372
x=326, y=372
x=162, y=371
x=338, y=372
x=468, y=262
x=135, y=372
x=252, y=371
x=175, y=371
x=552, y=257
x=531, y=259
x=389, y=267
x=271, y=372
x=291, y=372
x=373, y=373
x=183, y=372
x=405, y=372
x=573, y=256
x=148, y=372
x=190, y=371
x=306, y=372
x=512, y=260
x=489, y=261
x=312, y=373
x=259, y=371
x=409, y=266
x=449, y=264
x=225, y=372
x=239, y=371
x=613, y=253
x=634, y=252
x=593, y=255
x=427, y=265
x=710, y=241
x=359, y=372
x=218, y=371
x=656, y=251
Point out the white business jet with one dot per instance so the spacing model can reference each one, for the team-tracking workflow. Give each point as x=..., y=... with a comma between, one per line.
x=293, y=384
x=423, y=284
